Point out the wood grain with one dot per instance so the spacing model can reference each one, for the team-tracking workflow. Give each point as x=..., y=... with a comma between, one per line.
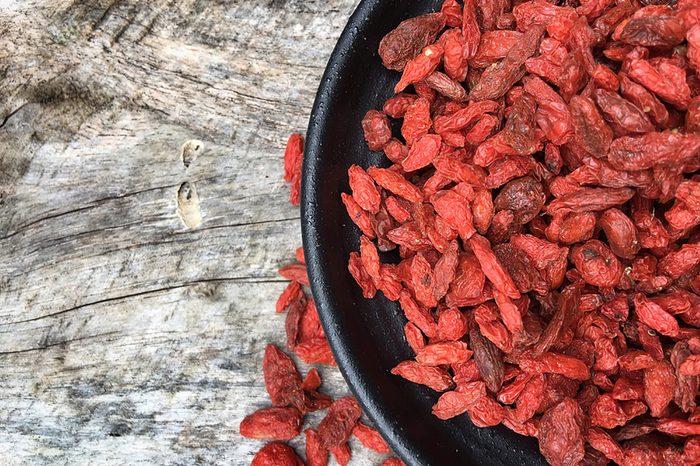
x=127, y=337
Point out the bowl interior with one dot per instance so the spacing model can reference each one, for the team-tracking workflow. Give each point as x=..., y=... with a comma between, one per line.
x=367, y=335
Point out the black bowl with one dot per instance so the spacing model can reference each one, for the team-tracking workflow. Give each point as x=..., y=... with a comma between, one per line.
x=367, y=335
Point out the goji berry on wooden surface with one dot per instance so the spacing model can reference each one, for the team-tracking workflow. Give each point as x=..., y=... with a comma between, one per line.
x=276, y=454
x=335, y=429
x=316, y=455
x=370, y=438
x=293, y=159
x=272, y=424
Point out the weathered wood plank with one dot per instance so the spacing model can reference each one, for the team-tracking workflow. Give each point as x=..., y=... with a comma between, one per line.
x=125, y=336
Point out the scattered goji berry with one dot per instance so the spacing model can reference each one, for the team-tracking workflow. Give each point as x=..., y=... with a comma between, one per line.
x=335, y=429
x=316, y=455
x=370, y=438
x=272, y=424
x=282, y=380
x=276, y=454
x=342, y=454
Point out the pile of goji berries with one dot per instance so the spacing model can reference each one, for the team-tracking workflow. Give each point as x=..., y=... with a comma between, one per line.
x=291, y=396
x=543, y=204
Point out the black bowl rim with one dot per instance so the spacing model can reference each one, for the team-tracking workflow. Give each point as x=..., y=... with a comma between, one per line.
x=313, y=255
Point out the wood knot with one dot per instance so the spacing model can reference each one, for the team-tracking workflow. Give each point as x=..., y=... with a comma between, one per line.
x=190, y=150
x=188, y=205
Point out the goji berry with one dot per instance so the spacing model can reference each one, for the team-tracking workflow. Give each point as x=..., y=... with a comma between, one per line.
x=316, y=455
x=370, y=438
x=276, y=454
x=433, y=377
x=408, y=39
x=335, y=429
x=342, y=454
x=451, y=404
x=272, y=424
x=282, y=379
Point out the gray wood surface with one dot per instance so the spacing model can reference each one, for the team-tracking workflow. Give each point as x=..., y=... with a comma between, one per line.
x=137, y=294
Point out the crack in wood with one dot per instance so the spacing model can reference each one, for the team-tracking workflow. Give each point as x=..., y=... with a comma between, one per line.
x=48, y=217
x=105, y=14
x=94, y=203
x=236, y=225
x=250, y=279
x=58, y=343
x=12, y=113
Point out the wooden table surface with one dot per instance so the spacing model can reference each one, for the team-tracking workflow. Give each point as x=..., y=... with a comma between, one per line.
x=129, y=332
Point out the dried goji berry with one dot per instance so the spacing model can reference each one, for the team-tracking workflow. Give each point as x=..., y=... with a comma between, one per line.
x=293, y=154
x=312, y=380
x=414, y=336
x=498, y=79
x=420, y=67
x=272, y=424
x=282, y=379
x=493, y=46
x=291, y=293
x=316, y=351
x=276, y=454
x=452, y=12
x=342, y=454
x=395, y=183
x=491, y=267
x=655, y=316
x=408, y=39
x=452, y=324
x=370, y=438
x=361, y=276
x=603, y=442
x=659, y=387
x=377, y=131
x=454, y=403
x=455, y=210
x=335, y=429
x=524, y=196
x=488, y=359
x=359, y=216
x=422, y=152
x=666, y=80
x=561, y=433
x=397, y=106
x=316, y=455
x=393, y=462
x=363, y=189
x=449, y=352
x=433, y=377
x=597, y=264
x=450, y=88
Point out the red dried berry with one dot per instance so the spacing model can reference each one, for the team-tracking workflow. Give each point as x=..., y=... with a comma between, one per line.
x=432, y=377
x=272, y=424
x=370, y=438
x=377, y=130
x=335, y=429
x=282, y=379
x=276, y=454
x=316, y=455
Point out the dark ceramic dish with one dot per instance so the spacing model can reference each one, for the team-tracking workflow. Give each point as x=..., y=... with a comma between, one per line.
x=367, y=335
